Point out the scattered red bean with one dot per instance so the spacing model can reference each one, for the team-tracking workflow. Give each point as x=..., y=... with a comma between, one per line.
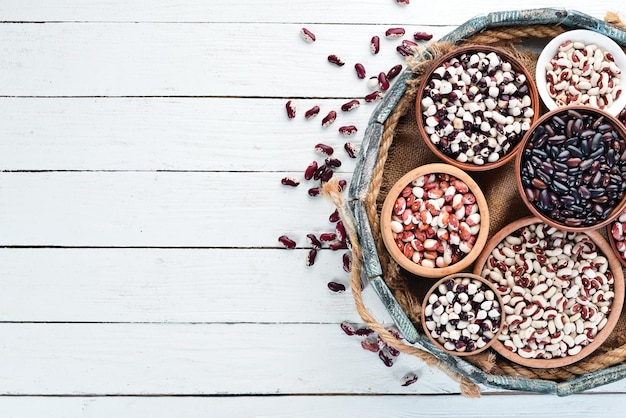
x=310, y=170
x=394, y=71
x=312, y=239
x=347, y=327
x=340, y=230
x=408, y=379
x=383, y=83
x=287, y=242
x=319, y=172
x=364, y=332
x=334, y=59
x=385, y=357
x=403, y=2
x=310, y=258
x=338, y=245
x=341, y=185
x=375, y=45
x=332, y=162
x=289, y=181
x=360, y=70
x=404, y=51
x=329, y=119
x=291, y=109
x=369, y=345
x=328, y=236
x=334, y=217
x=394, y=33
x=374, y=96
x=409, y=44
x=336, y=287
x=347, y=130
x=351, y=105
x=422, y=36
x=324, y=149
x=327, y=175
x=347, y=262
x=312, y=112
x=314, y=191
x=350, y=149
x=307, y=35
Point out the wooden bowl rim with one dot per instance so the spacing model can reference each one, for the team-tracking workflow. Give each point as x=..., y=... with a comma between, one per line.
x=532, y=91
x=616, y=307
x=617, y=210
x=437, y=343
x=387, y=234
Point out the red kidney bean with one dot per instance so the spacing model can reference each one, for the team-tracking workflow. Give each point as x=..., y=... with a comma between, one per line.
x=338, y=245
x=403, y=2
x=347, y=327
x=312, y=112
x=324, y=149
x=375, y=45
x=312, y=239
x=394, y=71
x=287, y=242
x=360, y=70
x=385, y=357
x=348, y=130
x=310, y=170
x=291, y=109
x=364, y=332
x=328, y=236
x=332, y=162
x=373, y=96
x=327, y=175
x=383, y=83
x=336, y=287
x=350, y=149
x=351, y=105
x=289, y=181
x=334, y=217
x=341, y=185
x=340, y=230
x=408, y=379
x=369, y=345
x=334, y=59
x=422, y=36
x=307, y=35
x=404, y=51
x=347, y=262
x=394, y=33
x=314, y=191
x=310, y=258
x=329, y=119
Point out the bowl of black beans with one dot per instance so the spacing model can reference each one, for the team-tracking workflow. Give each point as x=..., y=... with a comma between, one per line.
x=571, y=169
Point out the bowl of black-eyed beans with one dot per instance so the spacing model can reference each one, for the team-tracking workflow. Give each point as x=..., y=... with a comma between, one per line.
x=582, y=67
x=562, y=291
x=462, y=314
x=571, y=169
x=474, y=105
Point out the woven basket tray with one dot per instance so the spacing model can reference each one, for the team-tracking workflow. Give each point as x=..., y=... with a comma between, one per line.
x=391, y=147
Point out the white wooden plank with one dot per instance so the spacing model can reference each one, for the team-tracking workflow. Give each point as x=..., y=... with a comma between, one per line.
x=136, y=285
x=389, y=406
x=173, y=209
x=326, y=11
x=206, y=134
x=199, y=359
x=160, y=59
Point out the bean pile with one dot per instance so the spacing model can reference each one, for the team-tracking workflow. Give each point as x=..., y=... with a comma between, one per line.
x=463, y=314
x=582, y=73
x=435, y=220
x=573, y=168
x=476, y=107
x=556, y=287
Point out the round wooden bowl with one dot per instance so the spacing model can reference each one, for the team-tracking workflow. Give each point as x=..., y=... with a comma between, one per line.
x=386, y=216
x=615, y=212
x=616, y=308
x=473, y=277
x=613, y=243
x=516, y=64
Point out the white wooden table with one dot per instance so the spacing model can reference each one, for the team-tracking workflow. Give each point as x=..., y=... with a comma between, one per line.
x=141, y=150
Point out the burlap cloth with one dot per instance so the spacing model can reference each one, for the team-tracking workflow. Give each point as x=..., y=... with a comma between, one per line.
x=401, y=150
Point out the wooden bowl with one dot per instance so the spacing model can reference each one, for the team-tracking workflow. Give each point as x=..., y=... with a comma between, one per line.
x=474, y=278
x=421, y=118
x=526, y=147
x=388, y=234
x=613, y=243
x=616, y=307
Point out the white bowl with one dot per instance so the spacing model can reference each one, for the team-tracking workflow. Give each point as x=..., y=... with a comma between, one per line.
x=588, y=37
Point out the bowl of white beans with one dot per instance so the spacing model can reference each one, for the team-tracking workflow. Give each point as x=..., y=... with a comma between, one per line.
x=562, y=291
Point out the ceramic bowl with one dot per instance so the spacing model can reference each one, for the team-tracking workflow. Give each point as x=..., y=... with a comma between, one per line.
x=473, y=120
x=564, y=172
x=487, y=325
x=533, y=301
x=551, y=50
x=462, y=255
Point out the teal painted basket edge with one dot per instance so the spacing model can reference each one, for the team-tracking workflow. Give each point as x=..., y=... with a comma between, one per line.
x=361, y=181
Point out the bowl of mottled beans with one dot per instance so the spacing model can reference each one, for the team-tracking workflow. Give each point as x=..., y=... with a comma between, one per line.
x=474, y=105
x=562, y=291
x=462, y=314
x=571, y=169
x=435, y=220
